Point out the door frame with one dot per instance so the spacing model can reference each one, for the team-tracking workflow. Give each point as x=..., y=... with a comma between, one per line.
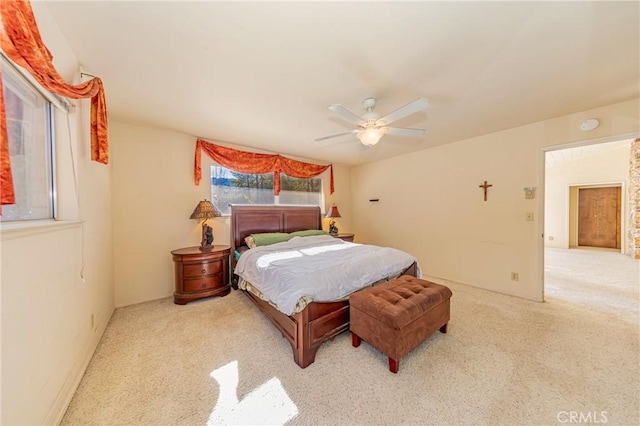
x=541, y=198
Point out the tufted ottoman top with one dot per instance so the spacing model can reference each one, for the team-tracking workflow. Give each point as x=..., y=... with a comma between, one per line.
x=400, y=301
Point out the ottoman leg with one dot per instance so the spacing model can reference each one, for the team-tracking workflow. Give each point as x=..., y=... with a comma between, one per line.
x=443, y=329
x=393, y=365
x=355, y=340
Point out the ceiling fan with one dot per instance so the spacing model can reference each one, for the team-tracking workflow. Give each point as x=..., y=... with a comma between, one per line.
x=371, y=127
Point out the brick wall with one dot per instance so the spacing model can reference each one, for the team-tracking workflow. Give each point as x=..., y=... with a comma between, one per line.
x=634, y=200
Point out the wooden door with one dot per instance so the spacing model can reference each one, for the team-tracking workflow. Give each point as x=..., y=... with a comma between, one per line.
x=599, y=217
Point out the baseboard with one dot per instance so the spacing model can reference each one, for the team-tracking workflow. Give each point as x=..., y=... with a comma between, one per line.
x=62, y=401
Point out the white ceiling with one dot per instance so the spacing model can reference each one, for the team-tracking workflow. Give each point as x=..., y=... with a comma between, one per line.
x=561, y=156
x=261, y=74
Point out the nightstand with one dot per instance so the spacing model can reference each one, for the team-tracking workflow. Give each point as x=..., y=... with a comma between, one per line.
x=345, y=237
x=201, y=273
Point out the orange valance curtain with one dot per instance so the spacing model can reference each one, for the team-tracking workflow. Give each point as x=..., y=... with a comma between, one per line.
x=251, y=162
x=20, y=40
x=7, y=193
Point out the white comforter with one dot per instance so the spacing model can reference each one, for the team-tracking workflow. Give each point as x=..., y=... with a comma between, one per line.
x=320, y=267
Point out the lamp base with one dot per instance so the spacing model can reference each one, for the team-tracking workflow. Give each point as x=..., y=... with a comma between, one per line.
x=333, y=229
x=207, y=237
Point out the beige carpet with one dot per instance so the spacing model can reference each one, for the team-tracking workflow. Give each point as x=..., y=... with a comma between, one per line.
x=505, y=361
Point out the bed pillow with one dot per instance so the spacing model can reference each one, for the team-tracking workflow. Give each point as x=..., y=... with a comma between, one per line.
x=269, y=238
x=249, y=241
x=308, y=233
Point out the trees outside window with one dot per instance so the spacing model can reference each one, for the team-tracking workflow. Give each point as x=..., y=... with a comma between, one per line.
x=229, y=187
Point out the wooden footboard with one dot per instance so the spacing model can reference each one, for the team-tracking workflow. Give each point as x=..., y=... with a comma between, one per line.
x=314, y=325
x=307, y=330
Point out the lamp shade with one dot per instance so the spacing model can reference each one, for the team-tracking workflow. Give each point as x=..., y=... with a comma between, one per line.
x=205, y=210
x=370, y=136
x=333, y=211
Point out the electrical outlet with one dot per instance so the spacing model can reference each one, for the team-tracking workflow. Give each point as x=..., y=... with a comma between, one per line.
x=514, y=276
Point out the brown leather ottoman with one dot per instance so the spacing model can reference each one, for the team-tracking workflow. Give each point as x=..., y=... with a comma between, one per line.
x=397, y=316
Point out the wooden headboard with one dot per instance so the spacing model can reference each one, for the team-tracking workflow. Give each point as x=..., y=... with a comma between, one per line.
x=253, y=219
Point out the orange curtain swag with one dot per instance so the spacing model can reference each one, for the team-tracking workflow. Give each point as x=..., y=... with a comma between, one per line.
x=21, y=41
x=251, y=162
x=7, y=194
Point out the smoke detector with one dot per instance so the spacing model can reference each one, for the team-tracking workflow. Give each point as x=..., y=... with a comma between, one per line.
x=589, y=124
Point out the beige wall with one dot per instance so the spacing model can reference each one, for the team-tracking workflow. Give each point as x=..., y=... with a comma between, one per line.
x=431, y=206
x=47, y=309
x=605, y=167
x=153, y=197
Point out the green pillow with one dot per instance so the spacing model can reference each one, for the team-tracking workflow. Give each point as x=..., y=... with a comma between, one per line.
x=308, y=233
x=270, y=238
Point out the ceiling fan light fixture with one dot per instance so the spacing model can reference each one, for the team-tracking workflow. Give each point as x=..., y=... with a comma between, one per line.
x=370, y=136
x=371, y=127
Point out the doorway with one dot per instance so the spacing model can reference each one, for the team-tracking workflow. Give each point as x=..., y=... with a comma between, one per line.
x=584, y=197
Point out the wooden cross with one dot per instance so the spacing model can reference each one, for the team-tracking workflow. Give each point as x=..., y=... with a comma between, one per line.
x=485, y=186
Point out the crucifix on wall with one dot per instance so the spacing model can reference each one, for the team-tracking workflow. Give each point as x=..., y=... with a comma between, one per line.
x=485, y=186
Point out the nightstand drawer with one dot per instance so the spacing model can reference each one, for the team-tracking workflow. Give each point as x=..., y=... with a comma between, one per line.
x=202, y=269
x=204, y=283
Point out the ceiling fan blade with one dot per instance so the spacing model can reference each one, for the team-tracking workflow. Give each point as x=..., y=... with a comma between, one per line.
x=403, y=131
x=324, y=138
x=410, y=108
x=345, y=113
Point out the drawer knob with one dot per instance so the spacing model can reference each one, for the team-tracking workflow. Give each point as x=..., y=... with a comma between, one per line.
x=204, y=285
x=203, y=270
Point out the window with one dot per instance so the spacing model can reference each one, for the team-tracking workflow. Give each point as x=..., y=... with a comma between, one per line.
x=29, y=116
x=229, y=187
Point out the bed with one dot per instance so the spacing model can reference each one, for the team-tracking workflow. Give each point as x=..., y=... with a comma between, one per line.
x=318, y=321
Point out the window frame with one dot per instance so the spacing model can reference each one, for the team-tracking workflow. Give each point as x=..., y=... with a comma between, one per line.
x=50, y=101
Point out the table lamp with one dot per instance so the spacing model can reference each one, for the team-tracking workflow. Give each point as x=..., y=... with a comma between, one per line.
x=333, y=212
x=205, y=210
